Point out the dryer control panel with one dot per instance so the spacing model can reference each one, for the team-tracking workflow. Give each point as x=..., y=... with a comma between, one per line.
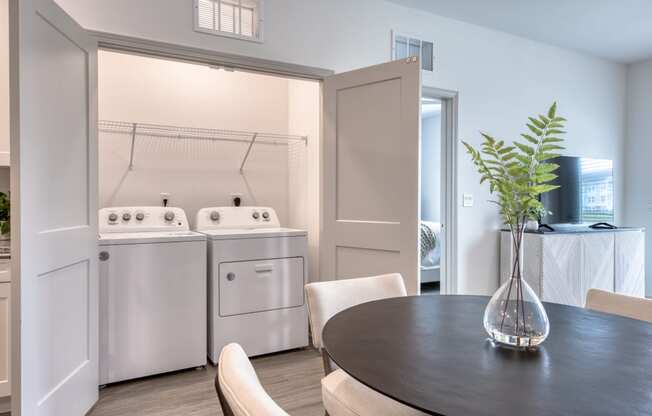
x=142, y=219
x=236, y=218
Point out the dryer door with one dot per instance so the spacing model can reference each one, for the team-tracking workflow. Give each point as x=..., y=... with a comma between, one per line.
x=261, y=285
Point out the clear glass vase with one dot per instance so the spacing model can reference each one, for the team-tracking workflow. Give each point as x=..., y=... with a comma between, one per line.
x=515, y=316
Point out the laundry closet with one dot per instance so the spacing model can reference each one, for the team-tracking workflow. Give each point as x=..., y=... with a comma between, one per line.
x=200, y=136
x=208, y=220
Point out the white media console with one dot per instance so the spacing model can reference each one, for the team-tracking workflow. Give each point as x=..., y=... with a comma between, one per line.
x=561, y=267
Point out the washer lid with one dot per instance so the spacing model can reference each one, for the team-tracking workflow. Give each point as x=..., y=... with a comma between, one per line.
x=241, y=233
x=106, y=239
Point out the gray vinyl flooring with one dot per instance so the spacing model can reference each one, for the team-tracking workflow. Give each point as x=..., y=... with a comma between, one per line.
x=291, y=378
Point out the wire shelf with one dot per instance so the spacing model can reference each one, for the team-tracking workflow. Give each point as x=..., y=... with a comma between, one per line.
x=135, y=130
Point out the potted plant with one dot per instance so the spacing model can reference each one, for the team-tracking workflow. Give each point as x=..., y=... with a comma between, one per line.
x=517, y=175
x=4, y=215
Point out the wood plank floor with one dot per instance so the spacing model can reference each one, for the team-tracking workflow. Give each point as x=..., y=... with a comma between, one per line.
x=291, y=378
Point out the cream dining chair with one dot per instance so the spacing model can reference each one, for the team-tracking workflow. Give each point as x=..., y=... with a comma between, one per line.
x=238, y=388
x=617, y=304
x=342, y=395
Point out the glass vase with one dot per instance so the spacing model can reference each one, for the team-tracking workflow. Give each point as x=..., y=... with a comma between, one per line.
x=515, y=316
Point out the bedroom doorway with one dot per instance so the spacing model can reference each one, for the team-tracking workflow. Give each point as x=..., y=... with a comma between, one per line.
x=437, y=192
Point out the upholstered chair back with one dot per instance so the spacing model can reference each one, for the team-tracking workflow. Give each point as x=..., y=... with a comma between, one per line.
x=325, y=299
x=617, y=304
x=238, y=388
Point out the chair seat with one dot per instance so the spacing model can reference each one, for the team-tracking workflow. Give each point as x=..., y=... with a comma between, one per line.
x=344, y=396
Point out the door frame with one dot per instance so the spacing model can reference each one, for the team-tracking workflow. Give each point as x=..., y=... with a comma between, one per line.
x=164, y=50
x=449, y=127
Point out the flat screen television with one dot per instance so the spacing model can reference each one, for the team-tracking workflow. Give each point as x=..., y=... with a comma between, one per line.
x=586, y=193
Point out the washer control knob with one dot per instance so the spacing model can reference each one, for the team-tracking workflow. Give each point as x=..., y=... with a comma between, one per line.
x=266, y=215
x=255, y=215
x=215, y=216
x=113, y=217
x=140, y=216
x=169, y=216
x=126, y=216
x=230, y=276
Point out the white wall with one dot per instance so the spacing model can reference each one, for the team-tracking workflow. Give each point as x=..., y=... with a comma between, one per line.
x=197, y=174
x=431, y=168
x=304, y=120
x=638, y=153
x=501, y=80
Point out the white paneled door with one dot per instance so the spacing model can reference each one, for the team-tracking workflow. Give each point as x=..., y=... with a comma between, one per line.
x=370, y=168
x=54, y=179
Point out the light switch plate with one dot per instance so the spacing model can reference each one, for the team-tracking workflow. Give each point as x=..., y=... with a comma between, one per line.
x=467, y=200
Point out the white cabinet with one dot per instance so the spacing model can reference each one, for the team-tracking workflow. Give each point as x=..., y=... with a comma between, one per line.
x=5, y=356
x=562, y=267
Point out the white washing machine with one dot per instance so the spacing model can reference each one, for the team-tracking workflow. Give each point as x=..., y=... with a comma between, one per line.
x=256, y=274
x=152, y=293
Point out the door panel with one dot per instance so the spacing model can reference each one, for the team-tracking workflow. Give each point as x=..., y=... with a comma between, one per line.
x=54, y=198
x=370, y=170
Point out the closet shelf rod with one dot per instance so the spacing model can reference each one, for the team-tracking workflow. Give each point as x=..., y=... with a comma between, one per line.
x=190, y=133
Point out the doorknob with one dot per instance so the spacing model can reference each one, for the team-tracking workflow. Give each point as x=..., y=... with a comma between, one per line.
x=104, y=255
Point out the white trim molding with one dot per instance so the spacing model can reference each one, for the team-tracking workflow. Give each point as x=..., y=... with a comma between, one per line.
x=151, y=48
x=449, y=99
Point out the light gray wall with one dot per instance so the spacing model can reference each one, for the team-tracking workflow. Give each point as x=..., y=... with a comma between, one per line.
x=431, y=168
x=501, y=79
x=638, y=153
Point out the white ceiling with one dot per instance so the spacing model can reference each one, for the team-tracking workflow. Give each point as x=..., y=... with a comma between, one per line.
x=618, y=30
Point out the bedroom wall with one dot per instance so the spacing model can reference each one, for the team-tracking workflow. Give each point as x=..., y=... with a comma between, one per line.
x=431, y=168
x=501, y=79
x=638, y=148
x=196, y=173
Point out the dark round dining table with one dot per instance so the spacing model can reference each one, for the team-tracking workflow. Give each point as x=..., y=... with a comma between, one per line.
x=432, y=353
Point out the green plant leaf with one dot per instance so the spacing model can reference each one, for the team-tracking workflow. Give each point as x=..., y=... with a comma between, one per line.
x=549, y=147
x=553, y=140
x=553, y=131
x=541, y=189
x=534, y=130
x=546, y=168
x=530, y=139
x=523, y=159
x=546, y=156
x=545, y=177
x=528, y=150
x=537, y=123
x=505, y=149
x=553, y=110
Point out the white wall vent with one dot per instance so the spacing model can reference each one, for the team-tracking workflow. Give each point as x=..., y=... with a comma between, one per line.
x=404, y=46
x=240, y=19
